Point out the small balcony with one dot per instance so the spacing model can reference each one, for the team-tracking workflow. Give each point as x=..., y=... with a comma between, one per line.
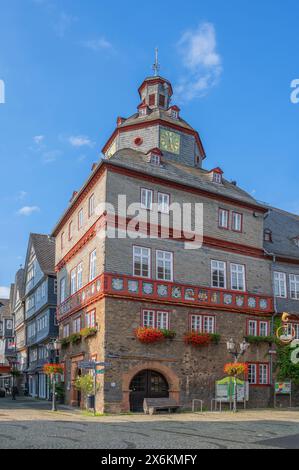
x=164, y=292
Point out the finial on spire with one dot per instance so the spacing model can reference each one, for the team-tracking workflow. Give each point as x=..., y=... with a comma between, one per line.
x=156, y=66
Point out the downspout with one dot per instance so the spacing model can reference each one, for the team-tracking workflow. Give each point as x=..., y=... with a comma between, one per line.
x=273, y=255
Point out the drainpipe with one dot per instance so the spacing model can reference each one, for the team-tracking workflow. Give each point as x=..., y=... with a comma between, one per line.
x=273, y=255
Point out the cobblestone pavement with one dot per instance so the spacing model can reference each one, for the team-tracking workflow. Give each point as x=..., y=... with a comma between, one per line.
x=29, y=424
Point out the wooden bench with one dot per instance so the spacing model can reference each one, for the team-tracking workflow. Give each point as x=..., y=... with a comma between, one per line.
x=151, y=405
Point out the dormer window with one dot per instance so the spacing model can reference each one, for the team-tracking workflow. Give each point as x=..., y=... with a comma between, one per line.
x=143, y=109
x=155, y=156
x=216, y=175
x=267, y=235
x=174, y=112
x=217, y=178
x=155, y=159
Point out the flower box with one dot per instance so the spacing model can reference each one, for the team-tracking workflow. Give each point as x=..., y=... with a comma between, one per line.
x=201, y=339
x=87, y=332
x=149, y=335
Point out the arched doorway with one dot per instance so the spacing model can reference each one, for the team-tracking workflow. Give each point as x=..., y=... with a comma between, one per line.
x=147, y=384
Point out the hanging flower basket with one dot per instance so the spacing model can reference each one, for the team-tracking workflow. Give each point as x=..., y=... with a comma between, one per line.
x=149, y=335
x=236, y=369
x=198, y=339
x=50, y=369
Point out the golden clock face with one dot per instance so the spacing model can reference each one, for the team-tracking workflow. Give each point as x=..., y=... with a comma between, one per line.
x=170, y=141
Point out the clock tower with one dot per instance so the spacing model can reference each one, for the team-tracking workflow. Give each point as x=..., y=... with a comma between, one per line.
x=157, y=124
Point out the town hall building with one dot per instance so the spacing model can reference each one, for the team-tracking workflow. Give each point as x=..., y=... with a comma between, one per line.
x=112, y=289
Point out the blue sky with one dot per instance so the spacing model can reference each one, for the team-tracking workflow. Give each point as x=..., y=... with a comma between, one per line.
x=70, y=67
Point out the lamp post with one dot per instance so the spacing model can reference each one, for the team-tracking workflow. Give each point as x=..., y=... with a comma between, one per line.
x=236, y=354
x=53, y=347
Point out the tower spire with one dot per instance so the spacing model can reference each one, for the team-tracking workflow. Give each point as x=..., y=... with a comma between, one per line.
x=156, y=66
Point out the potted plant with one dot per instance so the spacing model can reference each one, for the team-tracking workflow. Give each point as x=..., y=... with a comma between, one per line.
x=75, y=338
x=85, y=384
x=168, y=334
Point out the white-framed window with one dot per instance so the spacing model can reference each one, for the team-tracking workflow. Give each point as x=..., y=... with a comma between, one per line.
x=164, y=265
x=196, y=323
x=90, y=319
x=218, y=271
x=237, y=277
x=263, y=374
x=55, y=287
x=252, y=328
x=203, y=324
x=263, y=328
x=294, y=286
x=163, y=203
x=146, y=196
x=237, y=221
x=77, y=325
x=252, y=374
x=79, y=276
x=174, y=114
x=80, y=219
x=66, y=330
x=141, y=261
x=217, y=178
x=93, y=265
x=293, y=327
x=73, y=281
x=62, y=290
x=223, y=219
x=91, y=205
x=208, y=324
x=155, y=159
x=280, y=284
x=257, y=328
x=148, y=318
x=162, y=320
x=155, y=319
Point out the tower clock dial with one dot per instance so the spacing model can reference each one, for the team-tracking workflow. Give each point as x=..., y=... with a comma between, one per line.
x=170, y=141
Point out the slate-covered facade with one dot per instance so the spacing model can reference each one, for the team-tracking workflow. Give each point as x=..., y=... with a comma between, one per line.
x=113, y=286
x=40, y=298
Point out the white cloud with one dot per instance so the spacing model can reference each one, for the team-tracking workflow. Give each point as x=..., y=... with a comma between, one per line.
x=28, y=210
x=203, y=64
x=80, y=141
x=38, y=139
x=4, y=292
x=98, y=44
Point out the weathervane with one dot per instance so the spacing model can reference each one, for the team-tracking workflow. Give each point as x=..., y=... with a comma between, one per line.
x=156, y=66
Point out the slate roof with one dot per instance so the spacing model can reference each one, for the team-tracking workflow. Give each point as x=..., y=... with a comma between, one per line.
x=173, y=171
x=19, y=285
x=284, y=227
x=154, y=114
x=44, y=247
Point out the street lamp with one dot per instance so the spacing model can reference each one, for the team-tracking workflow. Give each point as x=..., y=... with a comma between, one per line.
x=236, y=354
x=53, y=348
